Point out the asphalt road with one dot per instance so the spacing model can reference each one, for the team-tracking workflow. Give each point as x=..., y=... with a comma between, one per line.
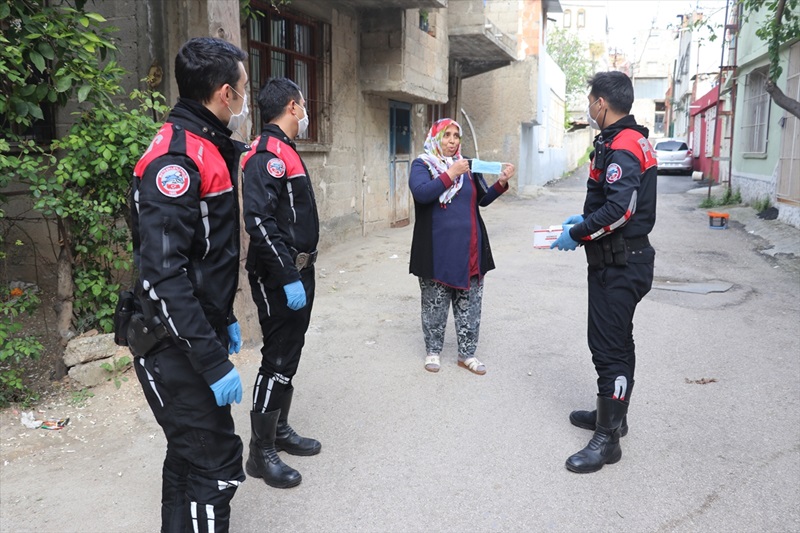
x=714, y=442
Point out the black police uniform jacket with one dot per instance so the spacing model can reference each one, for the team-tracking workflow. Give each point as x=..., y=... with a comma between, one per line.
x=279, y=208
x=621, y=189
x=185, y=224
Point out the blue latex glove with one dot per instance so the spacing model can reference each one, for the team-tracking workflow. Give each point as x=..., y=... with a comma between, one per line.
x=234, y=338
x=564, y=241
x=295, y=295
x=574, y=219
x=228, y=388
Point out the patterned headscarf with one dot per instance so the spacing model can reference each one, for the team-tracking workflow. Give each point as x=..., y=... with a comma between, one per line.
x=435, y=159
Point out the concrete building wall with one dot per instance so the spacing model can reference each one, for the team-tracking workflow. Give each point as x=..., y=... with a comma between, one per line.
x=529, y=132
x=398, y=58
x=498, y=102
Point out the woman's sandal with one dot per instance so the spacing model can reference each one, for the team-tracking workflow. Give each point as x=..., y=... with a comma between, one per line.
x=473, y=365
x=432, y=363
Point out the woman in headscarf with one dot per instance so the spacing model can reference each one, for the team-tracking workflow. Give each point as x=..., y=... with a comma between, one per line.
x=450, y=250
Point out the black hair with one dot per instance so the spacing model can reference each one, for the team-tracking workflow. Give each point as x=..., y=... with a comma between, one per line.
x=204, y=64
x=615, y=87
x=275, y=95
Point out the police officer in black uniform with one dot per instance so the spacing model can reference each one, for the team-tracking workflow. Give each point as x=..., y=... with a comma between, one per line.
x=185, y=223
x=618, y=214
x=280, y=215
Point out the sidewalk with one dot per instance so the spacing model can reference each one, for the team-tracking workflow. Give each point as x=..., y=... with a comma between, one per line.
x=781, y=238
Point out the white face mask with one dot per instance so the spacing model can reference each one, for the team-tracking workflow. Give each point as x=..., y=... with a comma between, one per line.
x=237, y=120
x=302, y=124
x=592, y=121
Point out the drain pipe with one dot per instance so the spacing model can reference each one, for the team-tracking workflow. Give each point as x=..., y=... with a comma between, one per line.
x=363, y=201
x=472, y=132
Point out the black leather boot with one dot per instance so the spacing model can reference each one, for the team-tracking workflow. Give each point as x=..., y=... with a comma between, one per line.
x=286, y=438
x=587, y=419
x=264, y=462
x=604, y=447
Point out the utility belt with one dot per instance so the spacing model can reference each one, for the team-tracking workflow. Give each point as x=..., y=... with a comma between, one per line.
x=303, y=260
x=137, y=325
x=613, y=250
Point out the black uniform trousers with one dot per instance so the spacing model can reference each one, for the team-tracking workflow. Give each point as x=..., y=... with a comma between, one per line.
x=614, y=292
x=203, y=465
x=284, y=334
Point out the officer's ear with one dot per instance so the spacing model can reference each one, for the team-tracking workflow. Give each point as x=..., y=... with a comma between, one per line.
x=602, y=103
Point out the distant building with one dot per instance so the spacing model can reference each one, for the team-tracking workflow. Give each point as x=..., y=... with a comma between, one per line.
x=693, y=71
x=765, y=157
x=650, y=73
x=518, y=112
x=589, y=22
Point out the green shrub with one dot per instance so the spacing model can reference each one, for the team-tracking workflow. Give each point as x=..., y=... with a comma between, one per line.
x=86, y=189
x=762, y=205
x=16, y=348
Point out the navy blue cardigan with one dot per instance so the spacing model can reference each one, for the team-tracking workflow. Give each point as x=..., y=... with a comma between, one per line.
x=443, y=235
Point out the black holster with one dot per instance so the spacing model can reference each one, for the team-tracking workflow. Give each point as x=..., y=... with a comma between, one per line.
x=136, y=324
x=122, y=317
x=144, y=334
x=608, y=251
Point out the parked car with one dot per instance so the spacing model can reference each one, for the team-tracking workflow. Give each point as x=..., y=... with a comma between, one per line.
x=674, y=155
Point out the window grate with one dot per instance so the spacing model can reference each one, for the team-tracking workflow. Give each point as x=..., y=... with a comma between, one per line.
x=298, y=47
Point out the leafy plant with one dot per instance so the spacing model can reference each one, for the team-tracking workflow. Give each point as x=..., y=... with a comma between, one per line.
x=762, y=205
x=116, y=368
x=86, y=190
x=79, y=398
x=16, y=349
x=571, y=56
x=51, y=53
x=729, y=197
x=247, y=11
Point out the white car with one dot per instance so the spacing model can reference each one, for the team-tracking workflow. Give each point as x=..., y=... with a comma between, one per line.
x=674, y=155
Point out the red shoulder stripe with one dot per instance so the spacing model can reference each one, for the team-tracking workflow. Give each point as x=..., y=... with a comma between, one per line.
x=215, y=178
x=158, y=147
x=294, y=166
x=635, y=143
x=250, y=153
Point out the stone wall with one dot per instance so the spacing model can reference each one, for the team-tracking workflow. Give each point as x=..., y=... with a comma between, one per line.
x=753, y=188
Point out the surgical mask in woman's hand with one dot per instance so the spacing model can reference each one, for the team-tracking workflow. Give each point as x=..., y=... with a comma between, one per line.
x=485, y=167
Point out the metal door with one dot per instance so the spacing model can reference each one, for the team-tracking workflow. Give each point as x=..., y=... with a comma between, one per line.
x=399, y=162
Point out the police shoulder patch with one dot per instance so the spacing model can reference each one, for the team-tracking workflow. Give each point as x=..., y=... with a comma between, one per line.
x=276, y=167
x=173, y=181
x=613, y=173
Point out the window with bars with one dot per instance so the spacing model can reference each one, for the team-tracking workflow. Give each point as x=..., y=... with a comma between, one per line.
x=756, y=112
x=434, y=113
x=288, y=45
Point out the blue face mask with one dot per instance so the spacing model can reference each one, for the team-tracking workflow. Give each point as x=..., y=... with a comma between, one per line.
x=485, y=167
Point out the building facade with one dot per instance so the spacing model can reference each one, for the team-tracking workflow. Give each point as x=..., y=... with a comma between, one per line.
x=765, y=156
x=519, y=112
